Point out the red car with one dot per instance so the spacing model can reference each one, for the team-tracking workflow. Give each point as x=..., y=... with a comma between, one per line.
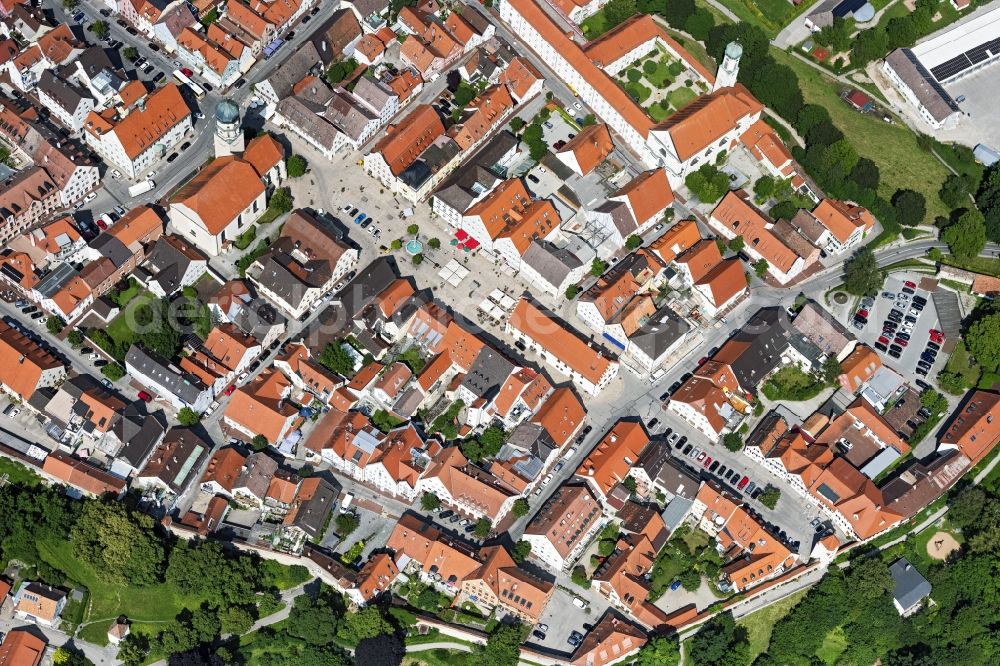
x=229, y=389
x=708, y=461
x=703, y=360
x=186, y=71
x=101, y=223
x=901, y=342
x=911, y=285
x=145, y=397
x=743, y=483
x=884, y=340
x=862, y=313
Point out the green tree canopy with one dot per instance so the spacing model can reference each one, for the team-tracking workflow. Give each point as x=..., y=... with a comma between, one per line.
x=503, y=647
x=617, y=12
x=346, y=523
x=296, y=166
x=336, y=359
x=429, y=502
x=911, y=208
x=633, y=241
x=521, y=507
x=120, y=544
x=983, y=340
x=862, y=276
x=966, y=238
x=187, y=416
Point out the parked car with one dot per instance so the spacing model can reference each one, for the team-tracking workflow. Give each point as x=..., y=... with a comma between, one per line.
x=743, y=482
x=145, y=397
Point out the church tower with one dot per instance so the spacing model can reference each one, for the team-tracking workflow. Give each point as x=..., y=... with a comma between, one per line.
x=228, y=132
x=726, y=76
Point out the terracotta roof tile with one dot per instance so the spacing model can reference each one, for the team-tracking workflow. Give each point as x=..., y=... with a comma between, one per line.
x=558, y=340
x=403, y=143
x=590, y=147
x=708, y=118
x=143, y=127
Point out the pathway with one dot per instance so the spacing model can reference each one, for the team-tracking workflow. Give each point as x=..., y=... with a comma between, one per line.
x=423, y=647
x=788, y=126
x=724, y=10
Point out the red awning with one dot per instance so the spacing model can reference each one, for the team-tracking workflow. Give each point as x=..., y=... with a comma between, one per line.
x=461, y=235
x=472, y=243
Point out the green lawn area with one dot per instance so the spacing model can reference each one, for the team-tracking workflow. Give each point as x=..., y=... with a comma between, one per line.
x=440, y=657
x=893, y=148
x=14, y=472
x=96, y=632
x=119, y=328
x=681, y=97
x=595, y=26
x=659, y=111
x=770, y=15
x=961, y=363
x=657, y=72
x=791, y=383
x=833, y=646
x=696, y=49
x=984, y=265
x=637, y=91
x=760, y=624
x=688, y=549
x=126, y=295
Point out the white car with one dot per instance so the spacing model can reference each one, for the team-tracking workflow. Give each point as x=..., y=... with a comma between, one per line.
x=243, y=376
x=570, y=451
x=90, y=197
x=547, y=479
x=116, y=174
x=14, y=412
x=579, y=603
x=149, y=176
x=373, y=230
x=579, y=107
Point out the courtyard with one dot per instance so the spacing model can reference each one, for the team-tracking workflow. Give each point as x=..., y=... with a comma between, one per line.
x=659, y=84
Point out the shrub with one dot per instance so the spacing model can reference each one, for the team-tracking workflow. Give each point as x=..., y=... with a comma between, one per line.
x=296, y=166
x=113, y=371
x=346, y=523
x=580, y=577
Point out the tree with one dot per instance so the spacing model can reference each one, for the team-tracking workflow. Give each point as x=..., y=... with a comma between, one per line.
x=532, y=136
x=733, y=441
x=862, y=276
x=690, y=579
x=383, y=650
x=346, y=523
x=417, y=259
x=236, y=620
x=54, y=325
x=910, y=206
x=572, y=291
x=516, y=124
x=119, y=543
x=413, y=229
x=521, y=507
x=336, y=359
x=965, y=510
x=700, y=24
x=259, y=443
x=707, y=183
x=869, y=45
x=630, y=484
x=955, y=191
x=988, y=201
x=764, y=187
x=597, y=267
x=281, y=200
x=966, y=238
x=503, y=647
x=65, y=656
x=339, y=71
x=579, y=576
x=429, y=502
x=617, y=12
x=396, y=244
x=770, y=497
x=760, y=268
x=100, y=29
x=633, y=241
x=869, y=578
x=659, y=651
x=678, y=12
x=365, y=623
x=434, y=243
x=983, y=340
x=736, y=244
x=296, y=166
x=187, y=416
x=521, y=551
x=75, y=338
x=483, y=527
x=113, y=371
x=720, y=642
x=133, y=650
x=831, y=369
x=131, y=53
x=866, y=174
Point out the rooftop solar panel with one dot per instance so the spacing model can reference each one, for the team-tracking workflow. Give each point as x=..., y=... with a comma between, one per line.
x=950, y=68
x=977, y=55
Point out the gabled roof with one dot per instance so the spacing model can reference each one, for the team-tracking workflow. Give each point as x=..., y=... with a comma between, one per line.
x=676, y=241
x=647, y=194
x=843, y=219
x=974, y=428
x=145, y=125
x=708, y=118
x=590, y=146
x=221, y=191
x=737, y=214
x=260, y=406
x=609, y=462
x=724, y=281
x=404, y=142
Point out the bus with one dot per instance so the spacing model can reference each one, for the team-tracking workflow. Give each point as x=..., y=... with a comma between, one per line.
x=183, y=79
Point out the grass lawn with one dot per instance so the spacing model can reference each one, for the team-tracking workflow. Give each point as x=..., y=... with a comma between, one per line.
x=760, y=624
x=696, y=49
x=595, y=26
x=791, y=383
x=833, y=646
x=126, y=295
x=901, y=162
x=983, y=265
x=659, y=111
x=14, y=472
x=681, y=97
x=637, y=91
x=440, y=657
x=96, y=632
x=961, y=363
x=658, y=75
x=119, y=328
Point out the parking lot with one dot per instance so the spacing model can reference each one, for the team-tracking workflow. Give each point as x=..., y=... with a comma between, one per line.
x=562, y=618
x=918, y=322
x=792, y=513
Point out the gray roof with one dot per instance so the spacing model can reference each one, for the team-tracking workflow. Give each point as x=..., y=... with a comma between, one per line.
x=822, y=328
x=349, y=116
x=767, y=333
x=909, y=586
x=620, y=215
x=185, y=386
x=368, y=7
x=66, y=95
x=479, y=175
x=139, y=432
x=373, y=93
x=92, y=61
x=677, y=479
x=488, y=372
x=257, y=317
x=552, y=263
x=529, y=436
x=310, y=123
x=169, y=260
x=55, y=279
x=177, y=459
x=807, y=226
x=256, y=474
x=294, y=69
x=311, y=514
x=272, y=275
x=113, y=249
x=366, y=285
x=932, y=96
x=662, y=330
